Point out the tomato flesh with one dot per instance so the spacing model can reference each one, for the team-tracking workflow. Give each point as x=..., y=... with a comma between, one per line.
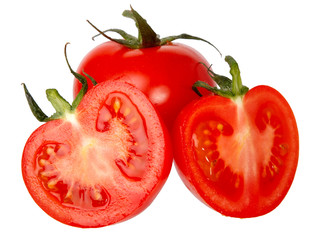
x=59, y=183
x=243, y=153
x=208, y=144
x=121, y=118
x=94, y=168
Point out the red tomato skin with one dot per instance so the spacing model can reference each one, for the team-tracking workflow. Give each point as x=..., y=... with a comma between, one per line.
x=190, y=172
x=165, y=74
x=62, y=130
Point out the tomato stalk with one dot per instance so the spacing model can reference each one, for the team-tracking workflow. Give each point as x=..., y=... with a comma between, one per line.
x=61, y=106
x=146, y=35
x=229, y=88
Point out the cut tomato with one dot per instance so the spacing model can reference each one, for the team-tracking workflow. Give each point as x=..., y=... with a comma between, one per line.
x=238, y=155
x=101, y=164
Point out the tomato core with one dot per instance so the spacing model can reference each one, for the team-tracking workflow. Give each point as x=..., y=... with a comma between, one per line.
x=48, y=168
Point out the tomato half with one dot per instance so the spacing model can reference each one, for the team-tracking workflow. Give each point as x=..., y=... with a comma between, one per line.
x=165, y=73
x=238, y=156
x=104, y=163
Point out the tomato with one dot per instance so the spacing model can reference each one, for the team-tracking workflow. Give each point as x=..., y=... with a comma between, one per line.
x=163, y=70
x=238, y=155
x=102, y=163
x=165, y=74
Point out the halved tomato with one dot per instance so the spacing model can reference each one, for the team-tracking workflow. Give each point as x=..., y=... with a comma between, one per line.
x=101, y=164
x=239, y=154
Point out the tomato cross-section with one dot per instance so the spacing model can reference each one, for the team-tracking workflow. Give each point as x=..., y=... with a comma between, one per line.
x=104, y=163
x=238, y=156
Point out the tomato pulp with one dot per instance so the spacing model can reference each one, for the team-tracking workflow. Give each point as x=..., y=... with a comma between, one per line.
x=164, y=73
x=102, y=164
x=238, y=156
x=237, y=151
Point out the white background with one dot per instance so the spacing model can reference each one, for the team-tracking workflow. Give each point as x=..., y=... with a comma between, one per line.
x=276, y=43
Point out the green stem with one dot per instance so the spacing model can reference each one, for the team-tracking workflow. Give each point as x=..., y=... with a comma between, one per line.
x=61, y=106
x=236, y=76
x=229, y=88
x=214, y=90
x=146, y=35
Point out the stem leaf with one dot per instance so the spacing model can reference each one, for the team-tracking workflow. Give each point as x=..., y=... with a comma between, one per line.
x=61, y=106
x=35, y=109
x=223, y=82
x=186, y=36
x=148, y=37
x=82, y=79
x=214, y=90
x=236, y=75
x=228, y=88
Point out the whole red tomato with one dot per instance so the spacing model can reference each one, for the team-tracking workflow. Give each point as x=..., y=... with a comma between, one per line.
x=237, y=151
x=164, y=71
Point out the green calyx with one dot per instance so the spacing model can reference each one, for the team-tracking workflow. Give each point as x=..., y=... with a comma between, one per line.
x=146, y=35
x=229, y=88
x=61, y=106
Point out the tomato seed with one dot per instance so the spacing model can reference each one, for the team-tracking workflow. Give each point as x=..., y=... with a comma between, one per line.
x=207, y=143
x=50, y=150
x=283, y=149
x=52, y=184
x=47, y=174
x=237, y=182
x=268, y=114
x=126, y=112
x=97, y=195
x=220, y=127
x=116, y=104
x=207, y=132
x=42, y=162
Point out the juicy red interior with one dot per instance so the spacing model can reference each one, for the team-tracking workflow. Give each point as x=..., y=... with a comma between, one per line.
x=239, y=155
x=79, y=178
x=205, y=144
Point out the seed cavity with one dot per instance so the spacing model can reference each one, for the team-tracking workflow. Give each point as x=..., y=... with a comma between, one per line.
x=272, y=167
x=125, y=116
x=214, y=167
x=120, y=122
x=68, y=193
